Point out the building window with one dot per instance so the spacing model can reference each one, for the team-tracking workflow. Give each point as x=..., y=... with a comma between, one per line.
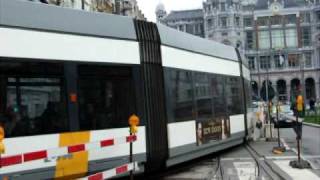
x=276, y=20
x=248, y=22
x=277, y=38
x=306, y=36
x=278, y=61
x=265, y=62
x=293, y=60
x=251, y=61
x=224, y=33
x=264, y=40
x=305, y=17
x=199, y=29
x=223, y=22
x=209, y=23
x=190, y=29
x=181, y=28
x=308, y=59
x=237, y=21
x=223, y=7
x=263, y=21
x=250, y=44
x=291, y=37
x=291, y=19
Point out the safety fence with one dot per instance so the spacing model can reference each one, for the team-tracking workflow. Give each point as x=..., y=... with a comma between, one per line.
x=126, y=168
x=63, y=151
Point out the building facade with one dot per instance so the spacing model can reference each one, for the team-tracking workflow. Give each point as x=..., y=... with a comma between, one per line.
x=279, y=38
x=189, y=21
x=282, y=47
x=120, y=7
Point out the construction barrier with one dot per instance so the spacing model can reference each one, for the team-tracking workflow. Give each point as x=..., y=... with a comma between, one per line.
x=113, y=172
x=63, y=151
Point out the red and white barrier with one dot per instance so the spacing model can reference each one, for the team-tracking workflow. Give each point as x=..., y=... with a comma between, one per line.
x=113, y=172
x=63, y=151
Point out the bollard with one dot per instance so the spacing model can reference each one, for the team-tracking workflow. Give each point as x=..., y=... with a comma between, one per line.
x=133, y=122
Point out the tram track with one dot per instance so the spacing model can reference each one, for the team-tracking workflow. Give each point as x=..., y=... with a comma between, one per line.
x=262, y=164
x=263, y=169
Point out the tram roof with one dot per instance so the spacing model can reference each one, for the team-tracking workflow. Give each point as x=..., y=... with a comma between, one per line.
x=45, y=17
x=38, y=16
x=174, y=38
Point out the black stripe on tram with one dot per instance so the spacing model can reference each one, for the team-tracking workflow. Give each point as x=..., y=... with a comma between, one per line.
x=152, y=78
x=244, y=92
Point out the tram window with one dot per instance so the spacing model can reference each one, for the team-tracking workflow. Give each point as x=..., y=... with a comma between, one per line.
x=203, y=95
x=34, y=105
x=180, y=95
x=218, y=88
x=106, y=97
x=234, y=95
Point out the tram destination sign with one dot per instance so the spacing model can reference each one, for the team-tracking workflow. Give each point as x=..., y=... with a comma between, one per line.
x=212, y=130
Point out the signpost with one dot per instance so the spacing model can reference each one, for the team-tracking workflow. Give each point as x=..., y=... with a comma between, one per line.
x=279, y=149
x=300, y=164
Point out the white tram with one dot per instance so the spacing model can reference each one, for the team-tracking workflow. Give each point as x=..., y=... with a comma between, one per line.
x=70, y=77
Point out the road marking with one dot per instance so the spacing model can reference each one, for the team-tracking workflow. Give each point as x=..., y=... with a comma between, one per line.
x=236, y=159
x=246, y=170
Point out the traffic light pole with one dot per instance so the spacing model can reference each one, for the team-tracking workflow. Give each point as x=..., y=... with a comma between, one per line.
x=280, y=149
x=300, y=164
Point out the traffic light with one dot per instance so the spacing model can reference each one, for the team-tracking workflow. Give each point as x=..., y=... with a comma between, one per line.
x=2, y=148
x=300, y=103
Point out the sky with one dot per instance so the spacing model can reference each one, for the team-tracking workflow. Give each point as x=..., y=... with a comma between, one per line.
x=148, y=6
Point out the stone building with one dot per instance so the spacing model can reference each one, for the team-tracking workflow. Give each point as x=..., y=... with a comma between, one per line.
x=282, y=46
x=189, y=21
x=128, y=8
x=120, y=7
x=280, y=40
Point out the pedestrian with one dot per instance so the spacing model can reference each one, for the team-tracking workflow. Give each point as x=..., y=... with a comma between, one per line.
x=312, y=104
x=259, y=125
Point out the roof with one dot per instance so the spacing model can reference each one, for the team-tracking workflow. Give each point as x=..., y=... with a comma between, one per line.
x=263, y=4
x=185, y=14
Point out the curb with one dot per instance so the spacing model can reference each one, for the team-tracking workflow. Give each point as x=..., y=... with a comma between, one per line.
x=278, y=171
x=311, y=124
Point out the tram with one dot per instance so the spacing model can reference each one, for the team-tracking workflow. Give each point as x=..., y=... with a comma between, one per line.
x=69, y=77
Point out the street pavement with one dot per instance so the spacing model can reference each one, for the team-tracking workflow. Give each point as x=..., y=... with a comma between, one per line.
x=239, y=164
